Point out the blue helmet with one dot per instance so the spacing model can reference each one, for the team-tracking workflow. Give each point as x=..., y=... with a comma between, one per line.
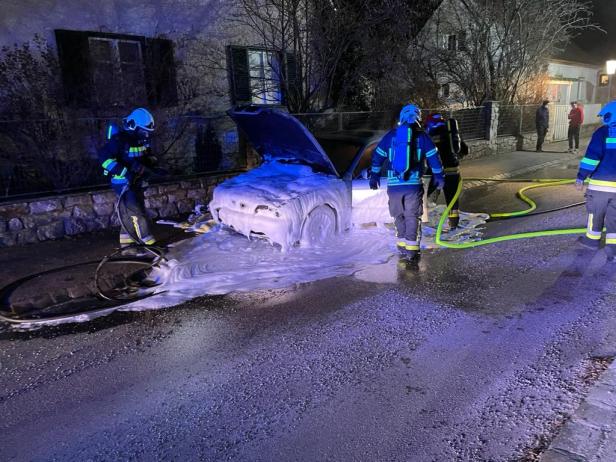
x=139, y=118
x=410, y=114
x=608, y=114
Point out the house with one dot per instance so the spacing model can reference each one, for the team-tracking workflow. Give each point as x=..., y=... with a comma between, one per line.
x=465, y=55
x=160, y=53
x=176, y=58
x=573, y=75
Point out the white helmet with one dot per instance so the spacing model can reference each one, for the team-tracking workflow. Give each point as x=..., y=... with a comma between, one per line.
x=410, y=114
x=139, y=118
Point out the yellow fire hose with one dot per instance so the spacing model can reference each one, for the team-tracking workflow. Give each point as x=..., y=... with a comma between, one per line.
x=541, y=183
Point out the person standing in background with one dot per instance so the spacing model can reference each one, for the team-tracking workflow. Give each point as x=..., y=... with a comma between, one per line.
x=576, y=119
x=542, y=123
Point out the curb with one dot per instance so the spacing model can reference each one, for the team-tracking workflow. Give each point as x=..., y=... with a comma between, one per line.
x=589, y=434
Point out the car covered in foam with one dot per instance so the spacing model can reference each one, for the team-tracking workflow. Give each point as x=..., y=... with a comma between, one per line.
x=297, y=195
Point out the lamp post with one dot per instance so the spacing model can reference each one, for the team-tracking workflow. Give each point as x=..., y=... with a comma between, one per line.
x=610, y=67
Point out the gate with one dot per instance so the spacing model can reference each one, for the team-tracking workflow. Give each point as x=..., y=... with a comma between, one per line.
x=559, y=122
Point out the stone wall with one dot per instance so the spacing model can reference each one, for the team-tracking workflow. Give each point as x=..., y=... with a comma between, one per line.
x=482, y=148
x=42, y=219
x=526, y=142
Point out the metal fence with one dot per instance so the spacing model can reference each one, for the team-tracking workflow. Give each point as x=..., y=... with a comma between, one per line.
x=333, y=122
x=60, y=155
x=472, y=121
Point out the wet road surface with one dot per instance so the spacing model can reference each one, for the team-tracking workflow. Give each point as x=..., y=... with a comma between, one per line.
x=476, y=355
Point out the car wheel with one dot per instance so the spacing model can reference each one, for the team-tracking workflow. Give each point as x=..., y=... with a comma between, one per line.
x=319, y=226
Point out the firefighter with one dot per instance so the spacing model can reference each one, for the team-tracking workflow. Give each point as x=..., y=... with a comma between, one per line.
x=125, y=158
x=599, y=166
x=407, y=148
x=446, y=137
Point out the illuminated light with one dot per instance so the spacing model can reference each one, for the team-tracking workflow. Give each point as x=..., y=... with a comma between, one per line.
x=610, y=66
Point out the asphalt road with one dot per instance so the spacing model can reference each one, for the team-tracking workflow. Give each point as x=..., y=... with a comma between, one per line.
x=477, y=355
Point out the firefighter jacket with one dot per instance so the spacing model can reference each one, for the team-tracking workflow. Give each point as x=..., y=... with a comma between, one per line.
x=599, y=162
x=407, y=149
x=123, y=157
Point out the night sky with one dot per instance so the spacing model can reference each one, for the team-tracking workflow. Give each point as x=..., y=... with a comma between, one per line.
x=601, y=45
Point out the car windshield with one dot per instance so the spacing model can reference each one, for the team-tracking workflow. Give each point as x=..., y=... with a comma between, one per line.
x=342, y=147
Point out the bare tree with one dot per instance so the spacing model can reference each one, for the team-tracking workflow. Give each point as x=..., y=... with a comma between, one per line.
x=377, y=72
x=496, y=49
x=38, y=142
x=336, y=45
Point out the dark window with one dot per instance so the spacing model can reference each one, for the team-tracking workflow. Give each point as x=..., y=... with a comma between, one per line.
x=445, y=90
x=117, y=72
x=452, y=42
x=462, y=41
x=256, y=75
x=111, y=70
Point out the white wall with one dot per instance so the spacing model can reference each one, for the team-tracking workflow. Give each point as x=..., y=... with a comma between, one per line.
x=583, y=81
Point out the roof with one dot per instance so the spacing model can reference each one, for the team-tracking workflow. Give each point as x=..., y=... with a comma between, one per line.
x=574, y=54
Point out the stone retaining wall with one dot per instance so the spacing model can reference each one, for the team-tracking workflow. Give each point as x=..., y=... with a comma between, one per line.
x=526, y=142
x=482, y=148
x=35, y=220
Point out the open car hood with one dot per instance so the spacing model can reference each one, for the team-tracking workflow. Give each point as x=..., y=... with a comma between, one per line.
x=276, y=134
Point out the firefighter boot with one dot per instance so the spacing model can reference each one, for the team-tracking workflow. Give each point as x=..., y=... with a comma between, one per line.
x=454, y=219
x=588, y=243
x=408, y=250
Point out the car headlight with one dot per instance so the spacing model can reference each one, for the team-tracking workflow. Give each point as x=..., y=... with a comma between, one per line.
x=267, y=210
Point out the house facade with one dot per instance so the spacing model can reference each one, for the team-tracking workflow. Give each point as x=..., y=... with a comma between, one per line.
x=571, y=74
x=187, y=61
x=574, y=75
x=162, y=53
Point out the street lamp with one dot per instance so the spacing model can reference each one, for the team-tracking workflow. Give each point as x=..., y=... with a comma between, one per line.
x=610, y=67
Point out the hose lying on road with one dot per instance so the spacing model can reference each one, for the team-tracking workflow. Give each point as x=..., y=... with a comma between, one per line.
x=526, y=212
x=156, y=252
x=116, y=301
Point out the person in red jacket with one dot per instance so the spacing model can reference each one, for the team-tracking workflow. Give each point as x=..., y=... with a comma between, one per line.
x=576, y=118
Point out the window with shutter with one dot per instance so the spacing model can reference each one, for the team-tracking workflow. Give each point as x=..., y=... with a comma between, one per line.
x=114, y=70
x=254, y=76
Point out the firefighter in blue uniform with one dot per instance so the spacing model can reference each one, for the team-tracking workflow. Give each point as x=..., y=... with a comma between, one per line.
x=599, y=166
x=451, y=149
x=125, y=158
x=407, y=148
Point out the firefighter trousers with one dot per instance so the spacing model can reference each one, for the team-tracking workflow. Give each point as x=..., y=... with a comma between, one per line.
x=449, y=190
x=134, y=216
x=405, y=207
x=601, y=208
